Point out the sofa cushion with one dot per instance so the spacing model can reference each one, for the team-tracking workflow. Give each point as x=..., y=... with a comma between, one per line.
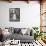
x=17, y=30
x=22, y=38
x=11, y=30
x=23, y=30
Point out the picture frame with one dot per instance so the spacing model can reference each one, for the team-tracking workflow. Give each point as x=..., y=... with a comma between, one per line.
x=14, y=14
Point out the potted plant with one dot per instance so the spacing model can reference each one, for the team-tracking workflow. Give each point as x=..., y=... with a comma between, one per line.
x=37, y=33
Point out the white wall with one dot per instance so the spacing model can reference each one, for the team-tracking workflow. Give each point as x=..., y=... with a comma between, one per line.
x=29, y=14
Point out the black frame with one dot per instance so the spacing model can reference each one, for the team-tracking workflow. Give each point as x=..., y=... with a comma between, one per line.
x=14, y=12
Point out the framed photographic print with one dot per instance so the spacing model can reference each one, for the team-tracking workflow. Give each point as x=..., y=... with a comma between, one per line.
x=14, y=14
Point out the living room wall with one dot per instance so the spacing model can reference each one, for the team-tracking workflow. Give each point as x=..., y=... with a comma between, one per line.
x=29, y=14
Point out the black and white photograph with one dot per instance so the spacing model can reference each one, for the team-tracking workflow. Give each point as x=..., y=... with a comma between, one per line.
x=14, y=14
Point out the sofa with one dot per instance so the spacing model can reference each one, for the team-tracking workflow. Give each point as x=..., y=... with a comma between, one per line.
x=22, y=34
